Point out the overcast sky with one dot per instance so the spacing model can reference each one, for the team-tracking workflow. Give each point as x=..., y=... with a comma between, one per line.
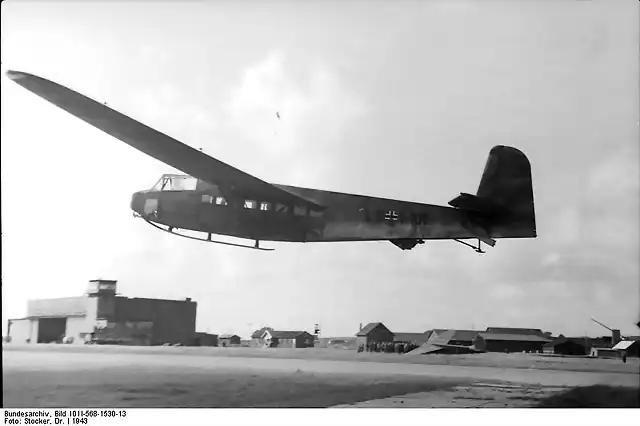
x=398, y=99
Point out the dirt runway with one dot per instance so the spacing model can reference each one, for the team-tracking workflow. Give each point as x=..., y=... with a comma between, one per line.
x=165, y=378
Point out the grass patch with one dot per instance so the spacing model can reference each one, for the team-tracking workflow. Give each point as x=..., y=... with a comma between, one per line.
x=597, y=396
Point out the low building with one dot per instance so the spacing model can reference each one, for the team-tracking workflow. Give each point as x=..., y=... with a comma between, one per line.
x=205, y=339
x=288, y=339
x=605, y=353
x=628, y=347
x=601, y=342
x=229, y=340
x=515, y=330
x=500, y=342
x=567, y=346
x=100, y=316
x=374, y=332
x=257, y=340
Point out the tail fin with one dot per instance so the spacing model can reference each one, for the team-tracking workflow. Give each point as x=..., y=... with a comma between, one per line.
x=503, y=204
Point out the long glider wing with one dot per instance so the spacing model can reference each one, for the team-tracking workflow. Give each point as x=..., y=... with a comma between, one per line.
x=157, y=144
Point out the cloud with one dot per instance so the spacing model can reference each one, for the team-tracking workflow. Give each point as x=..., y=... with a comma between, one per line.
x=550, y=259
x=506, y=293
x=616, y=177
x=611, y=204
x=314, y=106
x=169, y=109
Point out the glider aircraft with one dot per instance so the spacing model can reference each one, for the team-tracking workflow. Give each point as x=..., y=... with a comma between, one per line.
x=215, y=198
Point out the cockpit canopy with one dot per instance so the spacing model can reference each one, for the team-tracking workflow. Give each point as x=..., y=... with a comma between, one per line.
x=171, y=182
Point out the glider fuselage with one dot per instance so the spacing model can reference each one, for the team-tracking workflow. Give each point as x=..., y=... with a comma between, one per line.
x=346, y=217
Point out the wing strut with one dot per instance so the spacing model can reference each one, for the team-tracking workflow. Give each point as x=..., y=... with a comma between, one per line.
x=477, y=248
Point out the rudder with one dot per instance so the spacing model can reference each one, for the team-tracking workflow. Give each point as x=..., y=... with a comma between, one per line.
x=504, y=201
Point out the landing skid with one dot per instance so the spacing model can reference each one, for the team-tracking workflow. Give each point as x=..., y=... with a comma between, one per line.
x=170, y=230
x=478, y=248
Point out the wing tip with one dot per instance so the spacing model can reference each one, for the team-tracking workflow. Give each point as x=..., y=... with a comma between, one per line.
x=16, y=75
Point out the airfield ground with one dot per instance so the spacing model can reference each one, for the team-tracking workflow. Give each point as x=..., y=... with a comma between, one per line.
x=116, y=376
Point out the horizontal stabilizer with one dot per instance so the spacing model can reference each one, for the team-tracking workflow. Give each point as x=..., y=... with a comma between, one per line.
x=474, y=203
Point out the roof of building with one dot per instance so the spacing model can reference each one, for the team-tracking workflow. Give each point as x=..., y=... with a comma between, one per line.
x=204, y=333
x=60, y=307
x=411, y=337
x=514, y=330
x=514, y=337
x=370, y=327
x=258, y=333
x=286, y=334
x=624, y=344
x=228, y=336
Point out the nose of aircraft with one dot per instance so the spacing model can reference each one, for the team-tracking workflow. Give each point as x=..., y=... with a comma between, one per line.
x=137, y=202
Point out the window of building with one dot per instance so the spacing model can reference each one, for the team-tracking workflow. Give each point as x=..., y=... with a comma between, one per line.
x=250, y=204
x=207, y=199
x=220, y=201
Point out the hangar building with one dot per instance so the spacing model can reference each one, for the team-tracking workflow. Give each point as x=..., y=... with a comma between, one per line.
x=100, y=316
x=507, y=339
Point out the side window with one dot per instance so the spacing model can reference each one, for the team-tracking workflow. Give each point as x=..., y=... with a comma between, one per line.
x=299, y=211
x=208, y=199
x=150, y=205
x=250, y=204
x=220, y=201
x=282, y=208
x=315, y=213
x=264, y=206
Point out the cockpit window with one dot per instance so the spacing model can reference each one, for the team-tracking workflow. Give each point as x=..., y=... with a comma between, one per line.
x=176, y=183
